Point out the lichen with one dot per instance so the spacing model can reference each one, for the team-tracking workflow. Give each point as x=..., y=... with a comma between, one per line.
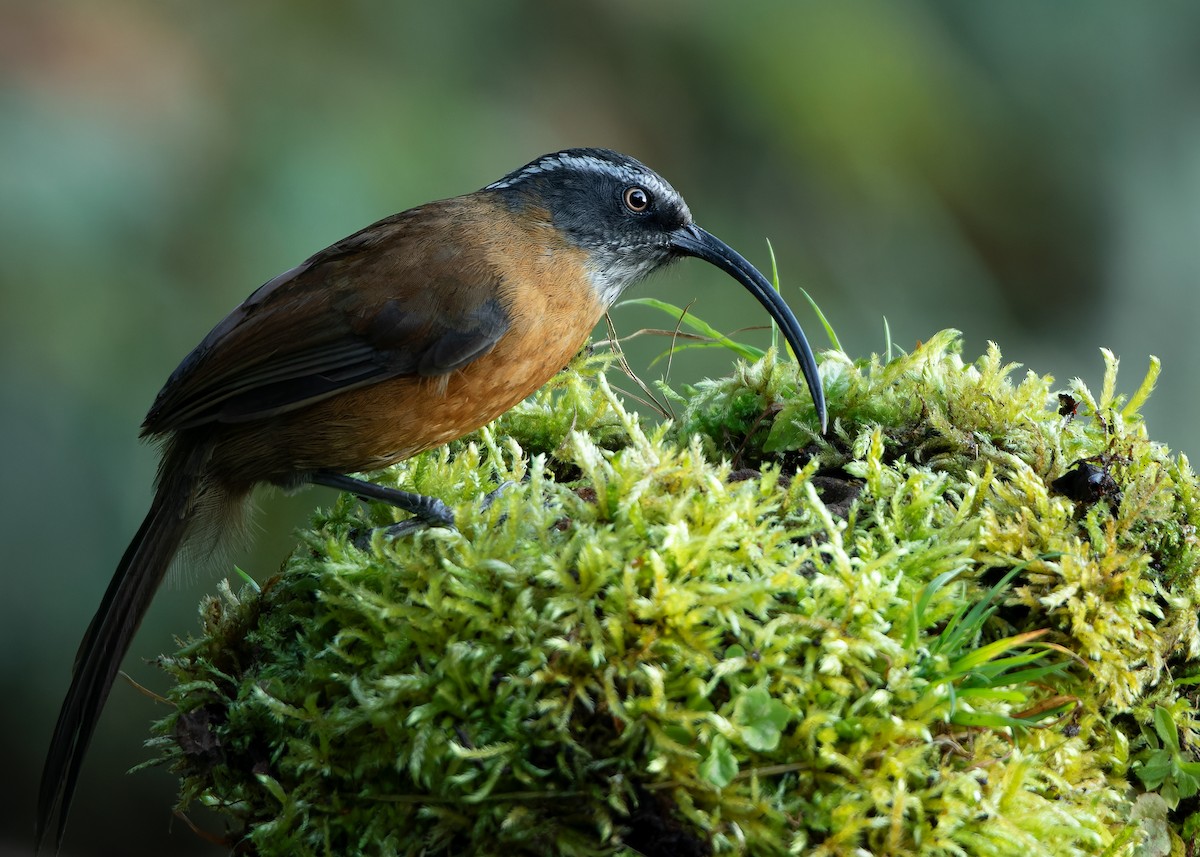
x=727, y=634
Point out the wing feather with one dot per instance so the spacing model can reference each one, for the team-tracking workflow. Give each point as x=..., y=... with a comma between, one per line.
x=357, y=313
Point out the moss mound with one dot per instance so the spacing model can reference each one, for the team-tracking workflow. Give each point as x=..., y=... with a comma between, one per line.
x=963, y=623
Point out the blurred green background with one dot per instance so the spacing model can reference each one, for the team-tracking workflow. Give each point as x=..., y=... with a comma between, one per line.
x=1027, y=173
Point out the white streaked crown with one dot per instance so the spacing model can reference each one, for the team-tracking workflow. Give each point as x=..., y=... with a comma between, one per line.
x=620, y=167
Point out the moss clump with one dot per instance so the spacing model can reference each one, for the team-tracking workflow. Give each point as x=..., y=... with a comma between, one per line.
x=729, y=635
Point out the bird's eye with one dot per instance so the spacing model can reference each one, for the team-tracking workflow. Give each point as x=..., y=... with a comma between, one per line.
x=637, y=199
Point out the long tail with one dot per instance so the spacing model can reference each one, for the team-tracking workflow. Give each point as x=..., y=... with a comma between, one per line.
x=137, y=577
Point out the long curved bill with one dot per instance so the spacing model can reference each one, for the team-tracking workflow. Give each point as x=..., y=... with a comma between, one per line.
x=694, y=241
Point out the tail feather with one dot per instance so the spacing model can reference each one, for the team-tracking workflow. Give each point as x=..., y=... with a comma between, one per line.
x=108, y=637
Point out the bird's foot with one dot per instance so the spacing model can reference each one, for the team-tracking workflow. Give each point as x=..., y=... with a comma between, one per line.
x=426, y=511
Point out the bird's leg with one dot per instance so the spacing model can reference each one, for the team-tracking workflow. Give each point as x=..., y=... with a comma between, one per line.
x=429, y=510
x=426, y=511
x=403, y=528
x=490, y=497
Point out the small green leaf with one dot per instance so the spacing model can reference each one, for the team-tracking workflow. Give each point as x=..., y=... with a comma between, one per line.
x=829, y=331
x=246, y=578
x=719, y=767
x=1165, y=727
x=1155, y=769
x=1170, y=793
x=1187, y=778
x=682, y=316
x=762, y=719
x=789, y=430
x=851, y=729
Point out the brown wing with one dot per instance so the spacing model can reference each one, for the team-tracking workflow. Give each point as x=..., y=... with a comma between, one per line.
x=382, y=303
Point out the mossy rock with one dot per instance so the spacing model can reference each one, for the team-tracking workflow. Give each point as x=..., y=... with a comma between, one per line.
x=727, y=635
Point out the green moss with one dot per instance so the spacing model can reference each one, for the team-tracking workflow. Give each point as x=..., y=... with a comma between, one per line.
x=898, y=639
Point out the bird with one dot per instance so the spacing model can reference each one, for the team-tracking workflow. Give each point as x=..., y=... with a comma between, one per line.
x=408, y=334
